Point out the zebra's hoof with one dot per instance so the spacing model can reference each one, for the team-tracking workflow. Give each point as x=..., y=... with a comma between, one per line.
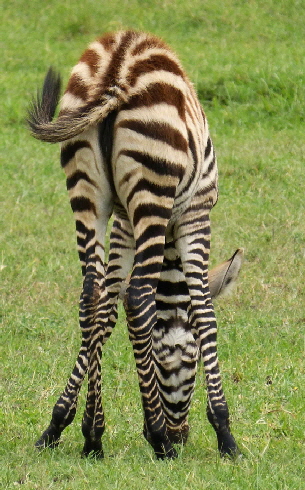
x=170, y=453
x=49, y=439
x=228, y=447
x=93, y=450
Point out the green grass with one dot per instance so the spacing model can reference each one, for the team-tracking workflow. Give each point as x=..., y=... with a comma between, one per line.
x=247, y=61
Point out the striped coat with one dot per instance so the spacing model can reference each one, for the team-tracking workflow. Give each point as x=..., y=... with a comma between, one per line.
x=136, y=145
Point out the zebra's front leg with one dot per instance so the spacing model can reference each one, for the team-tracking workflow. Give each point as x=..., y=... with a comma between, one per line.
x=217, y=408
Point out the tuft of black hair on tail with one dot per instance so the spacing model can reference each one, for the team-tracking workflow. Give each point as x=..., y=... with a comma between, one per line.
x=43, y=107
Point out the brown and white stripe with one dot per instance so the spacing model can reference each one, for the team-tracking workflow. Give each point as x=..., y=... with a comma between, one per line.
x=135, y=143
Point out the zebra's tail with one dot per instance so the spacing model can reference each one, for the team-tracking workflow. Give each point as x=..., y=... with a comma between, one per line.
x=69, y=123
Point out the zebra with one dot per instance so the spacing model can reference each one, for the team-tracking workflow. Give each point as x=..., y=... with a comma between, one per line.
x=135, y=144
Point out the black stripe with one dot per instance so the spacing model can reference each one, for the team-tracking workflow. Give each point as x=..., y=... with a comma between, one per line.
x=77, y=87
x=81, y=242
x=80, y=227
x=150, y=210
x=157, y=93
x=208, y=148
x=157, y=165
x=197, y=251
x=168, y=288
x=143, y=273
x=113, y=268
x=69, y=150
x=158, y=131
x=90, y=254
x=192, y=147
x=76, y=177
x=162, y=306
x=156, y=190
x=114, y=256
x=154, y=250
x=150, y=231
x=155, y=62
x=189, y=386
x=79, y=204
x=105, y=138
x=196, y=263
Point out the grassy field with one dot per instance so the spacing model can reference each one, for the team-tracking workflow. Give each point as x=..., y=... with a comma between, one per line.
x=246, y=60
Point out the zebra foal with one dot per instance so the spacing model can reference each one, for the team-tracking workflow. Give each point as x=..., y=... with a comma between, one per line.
x=135, y=143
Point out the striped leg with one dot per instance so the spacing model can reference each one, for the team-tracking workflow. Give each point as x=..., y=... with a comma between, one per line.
x=121, y=255
x=140, y=308
x=93, y=315
x=120, y=261
x=193, y=243
x=91, y=202
x=65, y=408
x=94, y=310
x=141, y=315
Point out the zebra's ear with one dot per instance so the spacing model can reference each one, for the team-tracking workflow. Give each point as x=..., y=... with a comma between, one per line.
x=223, y=277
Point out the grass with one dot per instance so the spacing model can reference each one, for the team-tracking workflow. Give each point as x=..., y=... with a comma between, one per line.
x=246, y=60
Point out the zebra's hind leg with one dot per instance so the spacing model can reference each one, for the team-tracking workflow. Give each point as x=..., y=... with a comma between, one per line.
x=120, y=261
x=91, y=201
x=65, y=408
x=95, y=326
x=193, y=248
x=93, y=302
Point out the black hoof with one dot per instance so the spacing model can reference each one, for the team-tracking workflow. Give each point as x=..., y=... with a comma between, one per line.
x=167, y=452
x=163, y=450
x=227, y=446
x=50, y=438
x=93, y=449
x=178, y=436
